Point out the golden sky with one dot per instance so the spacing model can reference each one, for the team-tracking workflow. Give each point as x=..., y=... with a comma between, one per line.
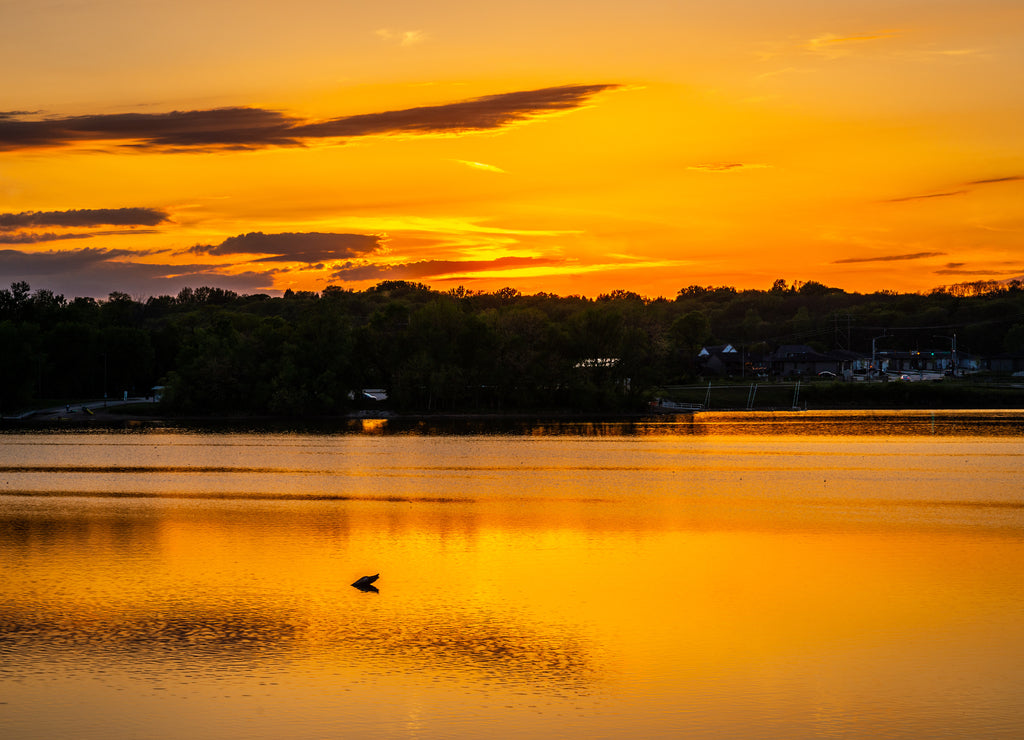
x=563, y=146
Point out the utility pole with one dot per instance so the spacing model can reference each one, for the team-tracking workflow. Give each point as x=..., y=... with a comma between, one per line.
x=873, y=353
x=841, y=341
x=952, y=356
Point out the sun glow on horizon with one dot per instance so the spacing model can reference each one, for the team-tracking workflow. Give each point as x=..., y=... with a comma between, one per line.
x=812, y=145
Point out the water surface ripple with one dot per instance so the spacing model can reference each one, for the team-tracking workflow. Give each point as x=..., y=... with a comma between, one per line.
x=726, y=575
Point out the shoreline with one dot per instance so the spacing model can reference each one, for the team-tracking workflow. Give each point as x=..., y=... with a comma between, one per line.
x=670, y=404
x=369, y=421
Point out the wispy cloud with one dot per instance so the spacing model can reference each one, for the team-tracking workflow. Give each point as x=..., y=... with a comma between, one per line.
x=253, y=128
x=831, y=45
x=480, y=166
x=976, y=272
x=936, y=55
x=835, y=45
x=963, y=190
x=727, y=167
x=993, y=180
x=32, y=237
x=889, y=258
x=403, y=38
x=959, y=52
x=476, y=114
x=927, y=196
x=503, y=267
x=436, y=268
x=36, y=237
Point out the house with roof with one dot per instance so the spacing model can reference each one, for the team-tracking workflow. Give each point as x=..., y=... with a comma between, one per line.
x=800, y=359
x=720, y=359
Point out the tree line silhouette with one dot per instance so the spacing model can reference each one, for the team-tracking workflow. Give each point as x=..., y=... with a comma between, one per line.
x=307, y=353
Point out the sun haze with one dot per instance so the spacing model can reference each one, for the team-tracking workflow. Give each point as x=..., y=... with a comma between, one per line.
x=552, y=146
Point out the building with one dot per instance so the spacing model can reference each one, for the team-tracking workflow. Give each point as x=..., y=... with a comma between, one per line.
x=720, y=359
x=799, y=359
x=925, y=361
x=1005, y=364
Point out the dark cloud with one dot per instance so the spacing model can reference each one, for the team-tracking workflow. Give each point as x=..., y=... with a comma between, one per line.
x=84, y=218
x=249, y=128
x=29, y=237
x=1012, y=178
x=927, y=197
x=950, y=193
x=98, y=272
x=308, y=247
x=15, y=262
x=220, y=128
x=890, y=258
x=488, y=112
x=435, y=268
x=990, y=273
x=35, y=237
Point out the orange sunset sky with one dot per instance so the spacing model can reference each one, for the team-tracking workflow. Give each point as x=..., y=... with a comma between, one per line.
x=562, y=146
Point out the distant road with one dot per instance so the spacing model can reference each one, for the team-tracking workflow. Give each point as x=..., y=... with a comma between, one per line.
x=77, y=410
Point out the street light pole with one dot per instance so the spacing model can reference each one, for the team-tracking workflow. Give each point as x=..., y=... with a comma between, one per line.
x=952, y=357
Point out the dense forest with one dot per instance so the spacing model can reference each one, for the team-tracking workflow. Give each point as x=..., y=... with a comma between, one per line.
x=307, y=353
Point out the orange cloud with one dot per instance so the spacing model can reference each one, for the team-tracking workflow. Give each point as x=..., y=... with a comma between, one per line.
x=480, y=166
x=404, y=38
x=834, y=45
x=436, y=268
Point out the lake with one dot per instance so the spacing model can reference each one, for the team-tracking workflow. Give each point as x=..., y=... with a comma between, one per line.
x=744, y=575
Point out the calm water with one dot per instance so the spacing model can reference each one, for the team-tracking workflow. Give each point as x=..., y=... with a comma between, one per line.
x=726, y=576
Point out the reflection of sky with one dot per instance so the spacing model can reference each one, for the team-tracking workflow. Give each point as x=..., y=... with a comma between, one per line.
x=186, y=638
x=141, y=592
x=582, y=577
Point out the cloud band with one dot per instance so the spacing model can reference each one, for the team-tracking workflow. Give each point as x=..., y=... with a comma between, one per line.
x=253, y=128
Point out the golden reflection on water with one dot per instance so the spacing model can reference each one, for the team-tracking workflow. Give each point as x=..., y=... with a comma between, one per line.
x=601, y=585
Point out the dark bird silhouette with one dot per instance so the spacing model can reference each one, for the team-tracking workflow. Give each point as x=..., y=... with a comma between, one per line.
x=366, y=583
